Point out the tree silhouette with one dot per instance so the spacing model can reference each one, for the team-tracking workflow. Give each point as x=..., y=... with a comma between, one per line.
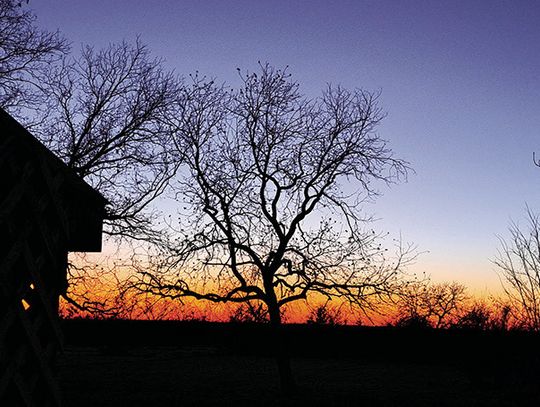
x=518, y=262
x=103, y=113
x=24, y=52
x=423, y=304
x=325, y=314
x=270, y=198
x=106, y=119
x=250, y=311
x=486, y=314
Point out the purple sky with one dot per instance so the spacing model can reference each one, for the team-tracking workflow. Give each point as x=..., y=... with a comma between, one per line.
x=460, y=81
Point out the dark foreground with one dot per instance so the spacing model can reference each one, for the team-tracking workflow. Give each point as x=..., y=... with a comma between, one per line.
x=171, y=364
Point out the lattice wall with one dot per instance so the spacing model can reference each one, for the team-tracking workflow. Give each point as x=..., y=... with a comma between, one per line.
x=35, y=237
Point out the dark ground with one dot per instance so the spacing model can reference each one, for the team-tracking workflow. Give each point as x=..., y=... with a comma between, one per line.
x=122, y=363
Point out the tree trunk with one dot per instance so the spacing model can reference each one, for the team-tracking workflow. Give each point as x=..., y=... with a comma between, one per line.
x=281, y=350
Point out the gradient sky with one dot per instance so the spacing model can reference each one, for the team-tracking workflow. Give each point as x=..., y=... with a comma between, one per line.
x=460, y=82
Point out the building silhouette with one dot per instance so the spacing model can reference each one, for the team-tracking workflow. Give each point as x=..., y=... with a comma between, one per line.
x=46, y=211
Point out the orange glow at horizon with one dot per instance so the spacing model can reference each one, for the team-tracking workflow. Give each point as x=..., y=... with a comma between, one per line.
x=152, y=307
x=147, y=307
x=103, y=289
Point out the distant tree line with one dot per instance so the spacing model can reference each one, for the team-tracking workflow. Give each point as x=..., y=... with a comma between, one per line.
x=420, y=305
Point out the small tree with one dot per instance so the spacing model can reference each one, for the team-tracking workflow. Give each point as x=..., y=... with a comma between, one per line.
x=422, y=303
x=270, y=196
x=25, y=51
x=446, y=302
x=518, y=262
x=412, y=302
x=325, y=314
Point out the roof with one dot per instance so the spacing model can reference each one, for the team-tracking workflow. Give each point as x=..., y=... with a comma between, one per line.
x=84, y=207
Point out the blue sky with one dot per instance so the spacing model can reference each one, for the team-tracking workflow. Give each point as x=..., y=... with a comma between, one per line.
x=459, y=79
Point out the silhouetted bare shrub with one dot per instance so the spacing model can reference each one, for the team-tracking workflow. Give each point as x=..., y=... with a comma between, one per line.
x=479, y=317
x=413, y=322
x=252, y=311
x=325, y=314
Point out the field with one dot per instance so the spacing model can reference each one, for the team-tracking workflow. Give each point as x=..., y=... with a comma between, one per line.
x=120, y=363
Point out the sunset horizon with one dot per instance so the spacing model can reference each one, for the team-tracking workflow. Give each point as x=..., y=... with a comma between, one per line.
x=269, y=203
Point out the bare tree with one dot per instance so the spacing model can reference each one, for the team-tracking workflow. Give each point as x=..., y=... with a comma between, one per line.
x=413, y=305
x=104, y=114
x=107, y=120
x=423, y=303
x=518, y=263
x=24, y=52
x=271, y=196
x=446, y=302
